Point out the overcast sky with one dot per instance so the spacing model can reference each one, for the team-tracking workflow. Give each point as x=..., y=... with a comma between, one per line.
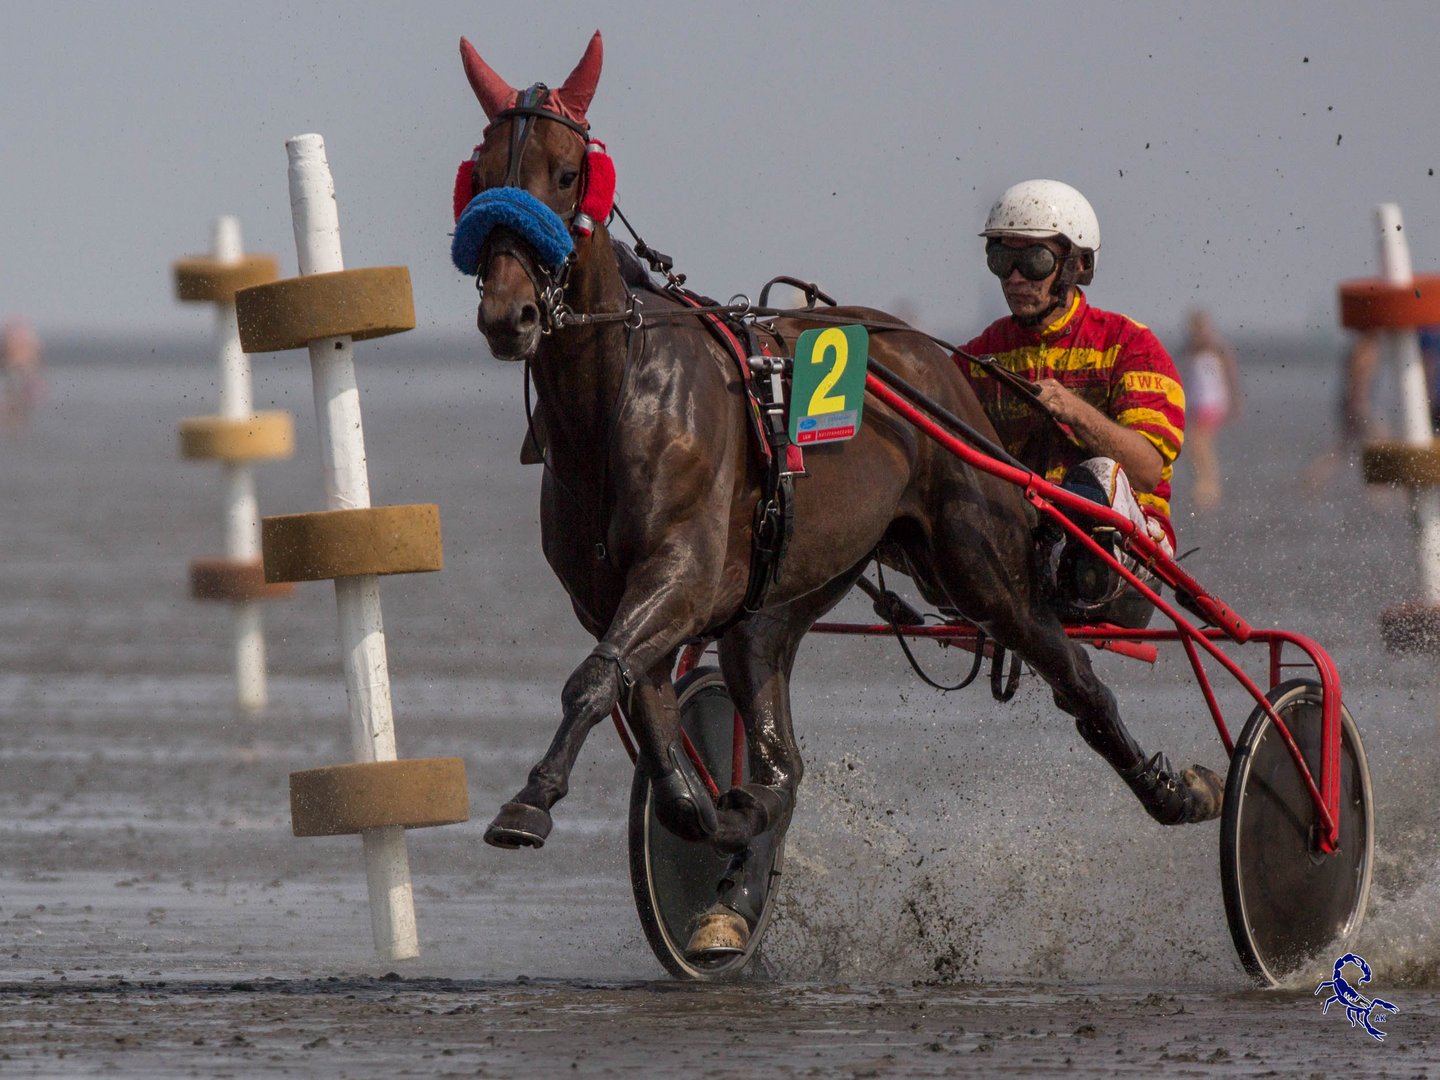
x=1234, y=150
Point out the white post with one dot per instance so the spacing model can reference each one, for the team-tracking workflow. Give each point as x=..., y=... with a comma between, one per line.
x=242, y=511
x=1404, y=345
x=357, y=599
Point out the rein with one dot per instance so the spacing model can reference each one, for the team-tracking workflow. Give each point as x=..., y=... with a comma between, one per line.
x=741, y=308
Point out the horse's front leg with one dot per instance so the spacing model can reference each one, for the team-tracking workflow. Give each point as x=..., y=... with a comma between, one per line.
x=668, y=598
x=591, y=692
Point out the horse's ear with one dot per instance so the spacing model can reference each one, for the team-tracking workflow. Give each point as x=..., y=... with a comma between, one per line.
x=579, y=88
x=495, y=93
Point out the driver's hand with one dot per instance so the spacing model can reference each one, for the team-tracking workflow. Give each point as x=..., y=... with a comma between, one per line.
x=1058, y=401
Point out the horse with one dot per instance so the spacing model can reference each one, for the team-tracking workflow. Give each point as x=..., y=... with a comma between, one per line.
x=651, y=482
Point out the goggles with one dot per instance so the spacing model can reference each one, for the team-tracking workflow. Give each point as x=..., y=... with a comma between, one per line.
x=1035, y=262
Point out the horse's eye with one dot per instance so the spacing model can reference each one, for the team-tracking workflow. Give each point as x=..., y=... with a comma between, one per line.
x=568, y=178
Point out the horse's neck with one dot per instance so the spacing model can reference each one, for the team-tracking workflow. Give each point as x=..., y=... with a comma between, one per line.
x=578, y=370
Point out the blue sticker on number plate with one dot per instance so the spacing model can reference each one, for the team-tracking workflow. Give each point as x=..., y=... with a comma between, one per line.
x=827, y=390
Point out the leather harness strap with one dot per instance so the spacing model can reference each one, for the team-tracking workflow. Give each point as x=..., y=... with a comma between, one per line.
x=774, y=520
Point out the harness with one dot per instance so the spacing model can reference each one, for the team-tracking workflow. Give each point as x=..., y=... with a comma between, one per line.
x=733, y=325
x=781, y=460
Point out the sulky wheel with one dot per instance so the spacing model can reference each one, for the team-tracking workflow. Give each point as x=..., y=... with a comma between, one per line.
x=673, y=879
x=1285, y=901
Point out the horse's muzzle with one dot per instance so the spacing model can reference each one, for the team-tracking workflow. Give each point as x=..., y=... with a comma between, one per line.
x=513, y=336
x=509, y=314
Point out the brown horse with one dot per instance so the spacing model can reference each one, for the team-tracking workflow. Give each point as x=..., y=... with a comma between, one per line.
x=648, y=505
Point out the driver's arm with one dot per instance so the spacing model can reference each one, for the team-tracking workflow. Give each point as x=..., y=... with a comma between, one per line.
x=1103, y=437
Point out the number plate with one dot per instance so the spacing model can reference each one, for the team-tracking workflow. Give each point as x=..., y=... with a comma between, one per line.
x=827, y=390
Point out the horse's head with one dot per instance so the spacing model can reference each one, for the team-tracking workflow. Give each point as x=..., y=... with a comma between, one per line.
x=521, y=198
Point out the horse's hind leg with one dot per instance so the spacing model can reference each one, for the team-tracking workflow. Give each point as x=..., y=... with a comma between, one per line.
x=986, y=586
x=1193, y=795
x=756, y=658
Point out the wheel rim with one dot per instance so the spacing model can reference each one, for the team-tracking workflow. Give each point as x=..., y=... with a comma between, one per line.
x=1285, y=902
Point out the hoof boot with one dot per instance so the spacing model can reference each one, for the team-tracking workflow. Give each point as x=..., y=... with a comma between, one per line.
x=718, y=935
x=518, y=825
x=1196, y=794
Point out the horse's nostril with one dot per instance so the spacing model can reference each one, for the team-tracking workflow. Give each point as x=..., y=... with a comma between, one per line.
x=529, y=316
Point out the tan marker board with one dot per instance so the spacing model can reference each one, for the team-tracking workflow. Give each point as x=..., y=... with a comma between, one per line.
x=418, y=793
x=327, y=544
x=357, y=304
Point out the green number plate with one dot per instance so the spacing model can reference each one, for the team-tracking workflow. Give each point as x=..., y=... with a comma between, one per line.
x=827, y=391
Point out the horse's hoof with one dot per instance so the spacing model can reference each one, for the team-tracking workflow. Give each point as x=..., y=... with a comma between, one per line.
x=518, y=825
x=1197, y=794
x=1207, y=792
x=718, y=935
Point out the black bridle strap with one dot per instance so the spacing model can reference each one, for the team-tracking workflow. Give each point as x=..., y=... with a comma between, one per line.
x=528, y=109
x=541, y=113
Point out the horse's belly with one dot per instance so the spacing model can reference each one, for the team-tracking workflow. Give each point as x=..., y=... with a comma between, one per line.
x=842, y=509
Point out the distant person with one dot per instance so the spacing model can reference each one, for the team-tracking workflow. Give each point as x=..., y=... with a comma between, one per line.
x=1212, y=399
x=20, y=366
x=1355, y=412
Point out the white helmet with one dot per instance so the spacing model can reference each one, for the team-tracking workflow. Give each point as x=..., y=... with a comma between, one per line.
x=1047, y=208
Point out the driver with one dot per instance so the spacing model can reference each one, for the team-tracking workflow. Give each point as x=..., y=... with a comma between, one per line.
x=1109, y=425
x=1111, y=413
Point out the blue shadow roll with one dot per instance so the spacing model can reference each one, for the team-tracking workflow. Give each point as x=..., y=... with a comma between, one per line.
x=514, y=209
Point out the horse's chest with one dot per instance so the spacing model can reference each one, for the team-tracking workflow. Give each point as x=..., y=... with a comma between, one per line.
x=577, y=546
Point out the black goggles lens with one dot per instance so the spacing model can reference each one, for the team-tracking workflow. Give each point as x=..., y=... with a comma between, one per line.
x=1035, y=262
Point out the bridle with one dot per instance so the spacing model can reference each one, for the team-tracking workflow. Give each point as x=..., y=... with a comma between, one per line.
x=549, y=284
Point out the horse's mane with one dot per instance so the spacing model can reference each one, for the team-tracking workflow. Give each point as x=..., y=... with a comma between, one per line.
x=632, y=270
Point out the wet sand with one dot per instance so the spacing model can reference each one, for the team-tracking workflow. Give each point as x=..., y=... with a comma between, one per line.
x=428, y=1027
x=967, y=890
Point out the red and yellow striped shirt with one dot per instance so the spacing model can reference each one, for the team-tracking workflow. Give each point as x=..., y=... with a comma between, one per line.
x=1112, y=362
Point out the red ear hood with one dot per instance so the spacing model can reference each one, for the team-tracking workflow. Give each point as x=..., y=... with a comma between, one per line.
x=571, y=100
x=495, y=93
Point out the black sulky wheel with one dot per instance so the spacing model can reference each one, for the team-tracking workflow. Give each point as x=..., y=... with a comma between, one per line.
x=1287, y=903
x=674, y=880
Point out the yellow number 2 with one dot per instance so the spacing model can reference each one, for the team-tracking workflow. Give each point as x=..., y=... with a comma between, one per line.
x=833, y=338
